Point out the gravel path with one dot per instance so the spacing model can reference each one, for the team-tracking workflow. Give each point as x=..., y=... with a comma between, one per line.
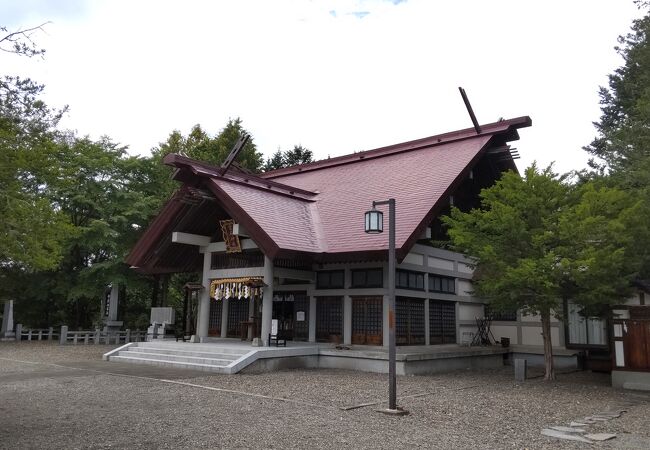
x=70, y=400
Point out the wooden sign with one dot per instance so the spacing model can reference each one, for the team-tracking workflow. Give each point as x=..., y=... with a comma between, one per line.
x=232, y=240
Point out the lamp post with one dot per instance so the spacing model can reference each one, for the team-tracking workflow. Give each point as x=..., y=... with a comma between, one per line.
x=374, y=224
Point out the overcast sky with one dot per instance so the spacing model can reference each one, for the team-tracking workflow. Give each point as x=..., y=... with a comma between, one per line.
x=335, y=76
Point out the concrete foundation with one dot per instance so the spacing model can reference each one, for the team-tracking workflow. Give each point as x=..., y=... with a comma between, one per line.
x=562, y=358
x=626, y=379
x=416, y=360
x=377, y=361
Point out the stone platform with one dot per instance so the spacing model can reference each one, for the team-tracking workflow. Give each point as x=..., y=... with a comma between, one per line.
x=231, y=356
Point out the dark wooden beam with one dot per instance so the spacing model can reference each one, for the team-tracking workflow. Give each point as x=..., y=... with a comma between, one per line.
x=239, y=145
x=477, y=127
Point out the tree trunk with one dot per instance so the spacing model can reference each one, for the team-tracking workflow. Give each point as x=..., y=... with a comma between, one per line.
x=548, y=346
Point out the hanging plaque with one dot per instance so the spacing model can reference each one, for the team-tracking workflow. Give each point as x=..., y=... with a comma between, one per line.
x=232, y=240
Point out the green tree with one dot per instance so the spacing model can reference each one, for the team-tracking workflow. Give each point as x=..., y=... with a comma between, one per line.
x=274, y=162
x=31, y=231
x=622, y=146
x=105, y=198
x=297, y=155
x=214, y=150
x=198, y=144
x=623, y=143
x=538, y=240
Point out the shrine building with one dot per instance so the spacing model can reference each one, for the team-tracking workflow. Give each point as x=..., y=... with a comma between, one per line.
x=290, y=245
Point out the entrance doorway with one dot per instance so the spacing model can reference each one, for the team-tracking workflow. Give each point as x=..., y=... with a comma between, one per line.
x=283, y=312
x=238, y=312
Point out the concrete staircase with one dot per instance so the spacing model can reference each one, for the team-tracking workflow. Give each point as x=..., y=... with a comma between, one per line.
x=210, y=358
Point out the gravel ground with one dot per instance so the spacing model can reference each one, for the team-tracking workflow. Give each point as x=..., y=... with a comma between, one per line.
x=76, y=403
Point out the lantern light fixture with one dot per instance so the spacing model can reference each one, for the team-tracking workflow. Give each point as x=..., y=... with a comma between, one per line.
x=374, y=221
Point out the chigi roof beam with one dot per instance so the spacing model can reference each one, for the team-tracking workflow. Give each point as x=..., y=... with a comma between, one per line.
x=477, y=127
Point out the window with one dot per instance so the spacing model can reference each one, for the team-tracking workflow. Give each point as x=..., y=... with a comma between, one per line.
x=584, y=330
x=367, y=278
x=409, y=280
x=438, y=283
x=331, y=279
x=442, y=322
x=498, y=315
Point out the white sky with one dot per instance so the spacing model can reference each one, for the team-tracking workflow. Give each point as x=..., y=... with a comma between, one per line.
x=335, y=76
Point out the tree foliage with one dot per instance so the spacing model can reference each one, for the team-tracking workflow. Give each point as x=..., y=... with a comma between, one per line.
x=623, y=142
x=538, y=240
x=20, y=42
x=295, y=156
x=198, y=144
x=622, y=146
x=31, y=232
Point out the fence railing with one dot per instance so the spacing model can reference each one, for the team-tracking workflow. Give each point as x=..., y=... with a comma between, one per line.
x=66, y=336
x=36, y=334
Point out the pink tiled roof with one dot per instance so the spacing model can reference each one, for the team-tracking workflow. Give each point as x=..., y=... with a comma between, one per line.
x=318, y=208
x=289, y=221
x=416, y=179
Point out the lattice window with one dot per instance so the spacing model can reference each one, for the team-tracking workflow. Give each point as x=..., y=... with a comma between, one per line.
x=253, y=258
x=409, y=324
x=439, y=283
x=329, y=319
x=406, y=279
x=330, y=279
x=449, y=322
x=497, y=315
x=367, y=278
x=214, y=325
x=442, y=322
x=367, y=320
x=238, y=311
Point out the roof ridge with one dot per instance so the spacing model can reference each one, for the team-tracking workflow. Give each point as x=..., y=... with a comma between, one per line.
x=439, y=139
x=248, y=179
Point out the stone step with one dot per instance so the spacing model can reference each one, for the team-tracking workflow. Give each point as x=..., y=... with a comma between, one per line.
x=189, y=353
x=210, y=348
x=178, y=358
x=178, y=365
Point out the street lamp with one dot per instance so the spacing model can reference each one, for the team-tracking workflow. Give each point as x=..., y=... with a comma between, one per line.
x=375, y=224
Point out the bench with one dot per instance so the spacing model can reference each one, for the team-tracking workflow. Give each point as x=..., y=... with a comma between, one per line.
x=278, y=339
